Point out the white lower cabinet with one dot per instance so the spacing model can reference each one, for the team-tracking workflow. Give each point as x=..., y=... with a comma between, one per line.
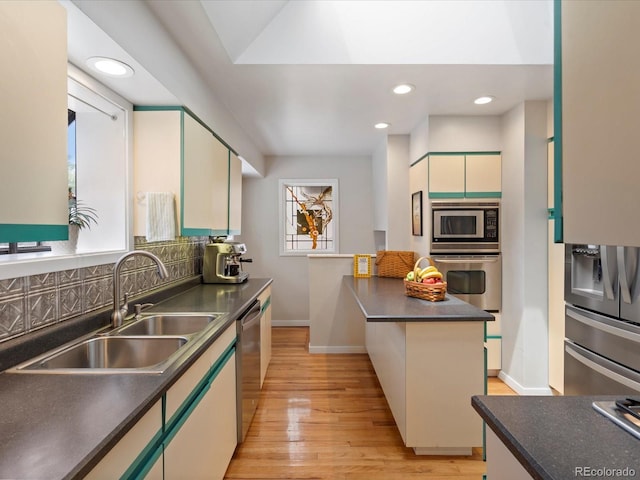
x=200, y=427
x=119, y=462
x=501, y=463
x=265, y=333
x=204, y=444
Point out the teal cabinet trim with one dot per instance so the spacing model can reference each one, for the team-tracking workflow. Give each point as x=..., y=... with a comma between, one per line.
x=147, y=458
x=228, y=191
x=486, y=390
x=446, y=195
x=424, y=157
x=157, y=108
x=464, y=153
x=483, y=194
x=493, y=337
x=265, y=305
x=198, y=232
x=13, y=232
x=551, y=213
x=557, y=122
x=182, y=229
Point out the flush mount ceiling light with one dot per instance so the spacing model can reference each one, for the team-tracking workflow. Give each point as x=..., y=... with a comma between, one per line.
x=483, y=100
x=403, y=89
x=382, y=125
x=110, y=66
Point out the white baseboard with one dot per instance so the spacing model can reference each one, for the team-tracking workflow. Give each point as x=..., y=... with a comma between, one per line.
x=289, y=323
x=520, y=390
x=338, y=349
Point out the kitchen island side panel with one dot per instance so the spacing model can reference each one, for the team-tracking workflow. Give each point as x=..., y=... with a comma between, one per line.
x=445, y=368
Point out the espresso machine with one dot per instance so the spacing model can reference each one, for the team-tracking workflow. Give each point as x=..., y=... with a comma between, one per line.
x=223, y=263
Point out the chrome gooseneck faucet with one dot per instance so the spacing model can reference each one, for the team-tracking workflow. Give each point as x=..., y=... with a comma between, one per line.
x=120, y=311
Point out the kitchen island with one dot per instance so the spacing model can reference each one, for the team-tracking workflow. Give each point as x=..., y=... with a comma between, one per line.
x=555, y=438
x=429, y=359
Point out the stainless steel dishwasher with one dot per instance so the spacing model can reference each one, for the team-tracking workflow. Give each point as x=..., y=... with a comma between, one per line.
x=248, y=367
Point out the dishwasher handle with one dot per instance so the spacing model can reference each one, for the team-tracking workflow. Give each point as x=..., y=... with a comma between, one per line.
x=250, y=316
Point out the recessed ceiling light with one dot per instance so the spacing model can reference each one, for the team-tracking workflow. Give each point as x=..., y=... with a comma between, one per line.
x=382, y=125
x=483, y=100
x=403, y=89
x=110, y=66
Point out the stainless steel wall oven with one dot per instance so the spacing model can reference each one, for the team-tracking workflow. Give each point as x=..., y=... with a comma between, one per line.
x=465, y=246
x=475, y=279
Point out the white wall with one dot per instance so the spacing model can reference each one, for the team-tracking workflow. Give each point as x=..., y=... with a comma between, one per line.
x=379, y=182
x=419, y=141
x=392, y=198
x=464, y=134
x=398, y=194
x=524, y=249
x=290, y=289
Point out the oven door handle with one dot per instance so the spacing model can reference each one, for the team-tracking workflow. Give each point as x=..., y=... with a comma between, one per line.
x=459, y=260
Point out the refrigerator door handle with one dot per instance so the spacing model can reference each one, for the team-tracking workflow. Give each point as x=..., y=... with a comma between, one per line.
x=627, y=264
x=618, y=332
x=606, y=274
x=601, y=369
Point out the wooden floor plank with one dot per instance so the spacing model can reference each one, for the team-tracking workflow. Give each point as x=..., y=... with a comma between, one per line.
x=324, y=417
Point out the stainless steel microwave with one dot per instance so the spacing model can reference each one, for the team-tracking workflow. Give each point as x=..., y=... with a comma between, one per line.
x=465, y=227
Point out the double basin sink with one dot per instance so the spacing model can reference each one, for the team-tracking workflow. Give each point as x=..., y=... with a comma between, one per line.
x=147, y=344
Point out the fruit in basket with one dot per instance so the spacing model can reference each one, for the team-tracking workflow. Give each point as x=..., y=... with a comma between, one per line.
x=428, y=275
x=434, y=275
x=426, y=271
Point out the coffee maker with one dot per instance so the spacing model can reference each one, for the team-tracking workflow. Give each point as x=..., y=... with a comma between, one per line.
x=223, y=263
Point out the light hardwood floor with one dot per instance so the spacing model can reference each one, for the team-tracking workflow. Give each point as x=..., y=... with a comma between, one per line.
x=325, y=417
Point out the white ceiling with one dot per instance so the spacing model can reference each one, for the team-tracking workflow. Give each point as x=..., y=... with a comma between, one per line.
x=312, y=77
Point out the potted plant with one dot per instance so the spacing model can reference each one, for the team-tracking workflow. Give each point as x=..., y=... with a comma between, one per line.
x=81, y=216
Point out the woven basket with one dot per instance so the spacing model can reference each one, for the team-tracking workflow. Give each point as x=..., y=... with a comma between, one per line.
x=434, y=292
x=392, y=263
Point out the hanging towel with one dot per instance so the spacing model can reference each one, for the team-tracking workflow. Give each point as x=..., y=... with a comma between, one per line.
x=161, y=216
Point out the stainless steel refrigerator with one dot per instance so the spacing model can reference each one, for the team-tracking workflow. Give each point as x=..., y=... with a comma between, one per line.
x=602, y=320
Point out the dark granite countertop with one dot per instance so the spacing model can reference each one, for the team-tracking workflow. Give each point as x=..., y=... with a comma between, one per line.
x=552, y=436
x=60, y=426
x=383, y=299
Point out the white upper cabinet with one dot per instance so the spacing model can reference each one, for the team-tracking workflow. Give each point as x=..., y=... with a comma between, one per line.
x=446, y=175
x=599, y=131
x=33, y=123
x=174, y=152
x=460, y=175
x=205, y=181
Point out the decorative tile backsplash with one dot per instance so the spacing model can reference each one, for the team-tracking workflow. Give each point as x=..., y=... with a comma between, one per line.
x=36, y=301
